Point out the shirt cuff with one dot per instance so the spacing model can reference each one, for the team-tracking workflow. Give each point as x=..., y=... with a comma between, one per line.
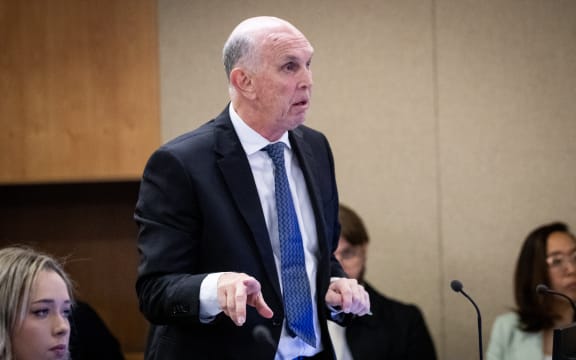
x=209, y=306
x=336, y=313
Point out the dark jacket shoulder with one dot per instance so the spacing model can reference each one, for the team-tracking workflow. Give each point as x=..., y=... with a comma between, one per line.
x=396, y=330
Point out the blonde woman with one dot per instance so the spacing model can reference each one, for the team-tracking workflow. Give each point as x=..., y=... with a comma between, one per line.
x=35, y=305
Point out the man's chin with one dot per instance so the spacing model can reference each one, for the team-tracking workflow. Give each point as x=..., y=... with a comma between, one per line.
x=297, y=121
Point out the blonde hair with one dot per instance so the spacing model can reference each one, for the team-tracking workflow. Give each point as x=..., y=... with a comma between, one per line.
x=19, y=268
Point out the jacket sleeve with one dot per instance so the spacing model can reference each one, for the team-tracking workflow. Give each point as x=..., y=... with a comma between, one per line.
x=168, y=240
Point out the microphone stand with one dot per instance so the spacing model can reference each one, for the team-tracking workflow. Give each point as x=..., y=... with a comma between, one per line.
x=458, y=287
x=564, y=338
x=479, y=318
x=545, y=290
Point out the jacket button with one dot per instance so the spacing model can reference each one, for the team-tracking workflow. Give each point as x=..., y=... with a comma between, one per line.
x=276, y=322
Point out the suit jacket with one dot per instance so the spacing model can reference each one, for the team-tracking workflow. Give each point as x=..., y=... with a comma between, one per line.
x=508, y=342
x=199, y=212
x=395, y=331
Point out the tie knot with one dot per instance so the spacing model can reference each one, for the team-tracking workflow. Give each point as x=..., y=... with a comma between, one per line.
x=276, y=152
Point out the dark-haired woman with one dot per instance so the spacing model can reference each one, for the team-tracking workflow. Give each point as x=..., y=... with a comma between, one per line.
x=548, y=256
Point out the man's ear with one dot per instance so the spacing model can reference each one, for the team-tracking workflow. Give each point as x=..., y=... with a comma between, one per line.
x=242, y=82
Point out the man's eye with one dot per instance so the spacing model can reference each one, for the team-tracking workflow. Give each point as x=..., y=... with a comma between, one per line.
x=290, y=66
x=348, y=253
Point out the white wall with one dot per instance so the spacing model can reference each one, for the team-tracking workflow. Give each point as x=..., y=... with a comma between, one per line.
x=453, y=124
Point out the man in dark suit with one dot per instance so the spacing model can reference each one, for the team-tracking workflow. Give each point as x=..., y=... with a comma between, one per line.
x=395, y=331
x=210, y=277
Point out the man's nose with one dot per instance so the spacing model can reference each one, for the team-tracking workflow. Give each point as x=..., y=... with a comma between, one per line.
x=306, y=79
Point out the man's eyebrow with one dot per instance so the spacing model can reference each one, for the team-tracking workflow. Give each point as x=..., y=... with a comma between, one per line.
x=293, y=58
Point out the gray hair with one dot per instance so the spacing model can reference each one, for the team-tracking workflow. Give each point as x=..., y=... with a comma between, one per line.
x=242, y=48
x=238, y=49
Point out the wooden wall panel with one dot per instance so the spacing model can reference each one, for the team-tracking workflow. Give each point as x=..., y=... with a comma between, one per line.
x=79, y=89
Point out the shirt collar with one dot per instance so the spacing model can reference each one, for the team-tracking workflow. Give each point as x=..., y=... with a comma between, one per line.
x=251, y=141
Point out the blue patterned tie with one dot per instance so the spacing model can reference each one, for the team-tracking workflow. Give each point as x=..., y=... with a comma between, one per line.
x=296, y=289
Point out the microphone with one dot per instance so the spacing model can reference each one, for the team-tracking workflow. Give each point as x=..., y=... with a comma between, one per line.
x=262, y=335
x=545, y=290
x=459, y=288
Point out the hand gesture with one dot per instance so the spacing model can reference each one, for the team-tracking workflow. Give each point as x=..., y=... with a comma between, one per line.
x=348, y=295
x=235, y=291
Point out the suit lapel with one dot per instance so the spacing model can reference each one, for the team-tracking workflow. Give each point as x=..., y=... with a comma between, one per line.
x=309, y=169
x=238, y=176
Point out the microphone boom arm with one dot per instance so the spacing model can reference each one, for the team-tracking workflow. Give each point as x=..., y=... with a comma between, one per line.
x=545, y=290
x=479, y=318
x=457, y=287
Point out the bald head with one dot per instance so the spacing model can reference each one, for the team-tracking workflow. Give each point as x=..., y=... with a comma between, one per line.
x=242, y=44
x=267, y=62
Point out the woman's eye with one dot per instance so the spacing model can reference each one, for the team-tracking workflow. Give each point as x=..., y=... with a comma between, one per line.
x=557, y=261
x=40, y=312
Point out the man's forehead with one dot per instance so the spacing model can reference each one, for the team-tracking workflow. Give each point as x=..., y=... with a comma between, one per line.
x=287, y=47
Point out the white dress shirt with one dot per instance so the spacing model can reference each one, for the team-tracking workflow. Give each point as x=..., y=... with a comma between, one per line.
x=338, y=337
x=262, y=170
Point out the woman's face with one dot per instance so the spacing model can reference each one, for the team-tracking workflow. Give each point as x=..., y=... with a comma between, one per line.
x=561, y=259
x=45, y=331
